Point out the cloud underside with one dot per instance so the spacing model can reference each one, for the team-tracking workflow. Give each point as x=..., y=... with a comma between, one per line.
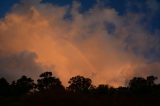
x=100, y=44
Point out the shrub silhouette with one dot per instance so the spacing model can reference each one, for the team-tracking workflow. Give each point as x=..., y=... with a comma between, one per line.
x=79, y=84
x=47, y=82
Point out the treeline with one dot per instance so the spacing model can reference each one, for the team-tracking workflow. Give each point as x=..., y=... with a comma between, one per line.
x=78, y=85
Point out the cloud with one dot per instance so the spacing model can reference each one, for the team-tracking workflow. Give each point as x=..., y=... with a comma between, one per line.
x=14, y=66
x=153, y=5
x=82, y=45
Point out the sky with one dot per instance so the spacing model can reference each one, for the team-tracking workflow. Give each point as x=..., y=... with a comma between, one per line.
x=109, y=41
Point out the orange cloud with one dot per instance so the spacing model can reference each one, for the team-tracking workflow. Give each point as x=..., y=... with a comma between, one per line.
x=79, y=46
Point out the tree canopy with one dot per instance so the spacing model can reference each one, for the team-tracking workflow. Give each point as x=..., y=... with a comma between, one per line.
x=47, y=81
x=79, y=84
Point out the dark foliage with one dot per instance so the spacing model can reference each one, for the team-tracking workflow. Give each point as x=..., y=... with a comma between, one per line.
x=50, y=92
x=4, y=87
x=22, y=86
x=79, y=84
x=102, y=89
x=47, y=82
x=139, y=85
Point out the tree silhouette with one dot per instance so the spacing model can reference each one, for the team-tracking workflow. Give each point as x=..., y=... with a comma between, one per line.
x=47, y=82
x=4, y=87
x=23, y=85
x=79, y=84
x=150, y=80
x=140, y=92
x=123, y=90
x=138, y=85
x=102, y=89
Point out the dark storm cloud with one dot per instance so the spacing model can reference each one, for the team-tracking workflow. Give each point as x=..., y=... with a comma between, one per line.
x=13, y=66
